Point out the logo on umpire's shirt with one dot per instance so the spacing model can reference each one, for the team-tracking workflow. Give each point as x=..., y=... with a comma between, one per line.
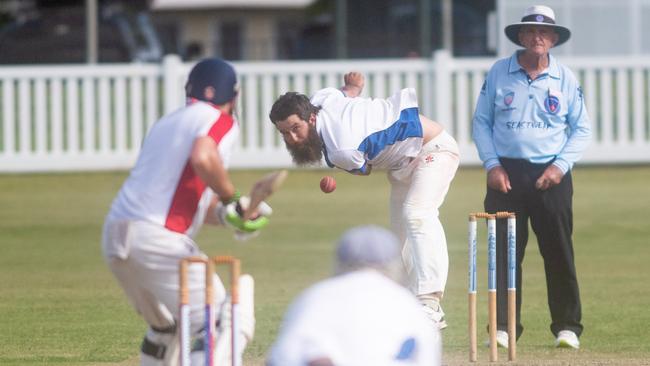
x=508, y=98
x=552, y=104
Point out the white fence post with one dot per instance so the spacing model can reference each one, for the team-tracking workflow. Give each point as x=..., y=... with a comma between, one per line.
x=171, y=92
x=426, y=91
x=8, y=118
x=442, y=87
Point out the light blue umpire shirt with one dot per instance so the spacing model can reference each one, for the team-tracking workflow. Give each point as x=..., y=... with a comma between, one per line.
x=535, y=120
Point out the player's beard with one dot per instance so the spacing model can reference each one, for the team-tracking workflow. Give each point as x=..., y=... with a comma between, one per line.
x=310, y=152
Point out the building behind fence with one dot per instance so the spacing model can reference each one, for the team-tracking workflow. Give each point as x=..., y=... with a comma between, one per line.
x=94, y=117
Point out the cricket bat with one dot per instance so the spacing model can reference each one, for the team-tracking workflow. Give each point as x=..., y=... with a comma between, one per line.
x=262, y=189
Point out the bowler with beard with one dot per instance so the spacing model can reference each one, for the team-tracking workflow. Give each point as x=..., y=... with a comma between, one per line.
x=358, y=135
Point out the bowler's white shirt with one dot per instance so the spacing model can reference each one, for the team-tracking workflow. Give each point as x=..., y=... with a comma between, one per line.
x=163, y=188
x=385, y=133
x=359, y=318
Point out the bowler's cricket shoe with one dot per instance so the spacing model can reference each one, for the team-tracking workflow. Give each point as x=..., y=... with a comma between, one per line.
x=567, y=339
x=434, y=311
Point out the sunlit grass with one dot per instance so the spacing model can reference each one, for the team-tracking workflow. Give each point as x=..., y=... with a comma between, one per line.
x=60, y=305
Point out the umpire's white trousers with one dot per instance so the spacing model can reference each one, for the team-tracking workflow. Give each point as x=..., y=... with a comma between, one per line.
x=145, y=260
x=417, y=192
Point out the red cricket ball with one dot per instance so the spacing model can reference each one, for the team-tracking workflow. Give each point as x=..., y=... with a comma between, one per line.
x=327, y=184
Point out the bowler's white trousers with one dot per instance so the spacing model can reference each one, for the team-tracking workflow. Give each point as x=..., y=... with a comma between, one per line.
x=145, y=259
x=417, y=192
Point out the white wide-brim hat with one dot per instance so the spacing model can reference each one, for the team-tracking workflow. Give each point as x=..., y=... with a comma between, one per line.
x=538, y=15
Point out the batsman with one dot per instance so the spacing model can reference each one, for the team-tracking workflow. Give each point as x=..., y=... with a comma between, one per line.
x=359, y=135
x=179, y=182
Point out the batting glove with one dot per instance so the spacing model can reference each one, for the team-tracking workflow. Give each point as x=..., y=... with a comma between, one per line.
x=231, y=215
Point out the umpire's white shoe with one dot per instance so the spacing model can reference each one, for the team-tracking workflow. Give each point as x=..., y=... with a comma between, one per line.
x=567, y=339
x=433, y=310
x=502, y=339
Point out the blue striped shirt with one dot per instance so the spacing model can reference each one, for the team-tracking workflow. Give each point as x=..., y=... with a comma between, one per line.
x=536, y=120
x=357, y=132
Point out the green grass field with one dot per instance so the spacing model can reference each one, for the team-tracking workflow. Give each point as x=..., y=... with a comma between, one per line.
x=60, y=305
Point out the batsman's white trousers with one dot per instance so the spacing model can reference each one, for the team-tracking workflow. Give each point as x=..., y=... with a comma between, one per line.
x=145, y=259
x=417, y=192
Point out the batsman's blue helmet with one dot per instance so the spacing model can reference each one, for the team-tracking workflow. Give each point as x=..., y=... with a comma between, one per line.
x=216, y=73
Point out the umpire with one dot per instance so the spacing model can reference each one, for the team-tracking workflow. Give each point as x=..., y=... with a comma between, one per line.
x=530, y=127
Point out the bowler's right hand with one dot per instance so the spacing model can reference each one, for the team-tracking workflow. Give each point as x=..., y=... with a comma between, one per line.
x=354, y=83
x=497, y=179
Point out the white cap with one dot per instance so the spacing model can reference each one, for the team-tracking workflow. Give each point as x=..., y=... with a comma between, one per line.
x=369, y=245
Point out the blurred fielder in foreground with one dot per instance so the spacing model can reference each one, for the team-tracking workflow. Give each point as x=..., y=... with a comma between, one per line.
x=362, y=315
x=167, y=197
x=360, y=134
x=530, y=127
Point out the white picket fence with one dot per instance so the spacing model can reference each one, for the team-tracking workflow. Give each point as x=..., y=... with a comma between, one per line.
x=81, y=117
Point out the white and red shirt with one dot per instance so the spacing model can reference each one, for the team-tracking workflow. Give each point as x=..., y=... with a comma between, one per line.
x=385, y=133
x=163, y=188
